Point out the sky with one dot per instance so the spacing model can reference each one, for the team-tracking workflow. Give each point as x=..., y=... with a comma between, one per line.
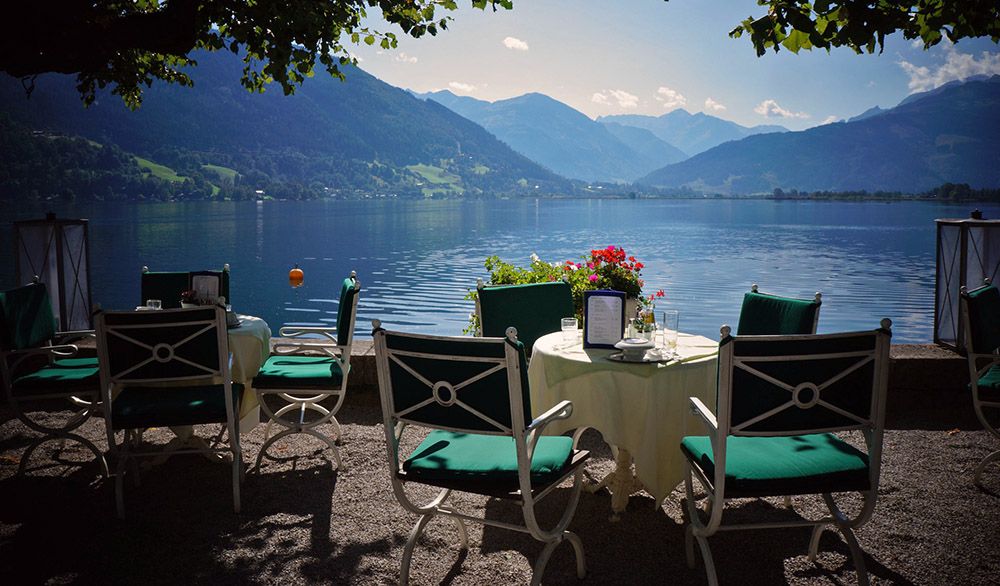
x=650, y=57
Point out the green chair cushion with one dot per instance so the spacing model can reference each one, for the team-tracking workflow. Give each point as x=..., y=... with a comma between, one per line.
x=534, y=309
x=293, y=371
x=984, y=318
x=989, y=384
x=488, y=459
x=345, y=310
x=140, y=407
x=26, y=318
x=785, y=465
x=69, y=374
x=770, y=315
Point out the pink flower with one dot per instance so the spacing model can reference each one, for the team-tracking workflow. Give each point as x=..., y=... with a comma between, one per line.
x=592, y=278
x=590, y=265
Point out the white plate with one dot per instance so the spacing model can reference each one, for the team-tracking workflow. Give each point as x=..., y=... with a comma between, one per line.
x=620, y=357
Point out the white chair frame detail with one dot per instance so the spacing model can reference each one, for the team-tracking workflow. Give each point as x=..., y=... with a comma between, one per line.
x=525, y=439
x=302, y=400
x=112, y=381
x=720, y=428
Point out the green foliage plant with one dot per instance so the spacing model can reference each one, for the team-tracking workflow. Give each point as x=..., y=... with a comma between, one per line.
x=603, y=268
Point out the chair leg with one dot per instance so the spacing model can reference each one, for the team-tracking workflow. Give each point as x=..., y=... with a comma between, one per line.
x=287, y=432
x=817, y=532
x=22, y=467
x=119, y=485
x=978, y=477
x=418, y=529
x=857, y=555
x=237, y=476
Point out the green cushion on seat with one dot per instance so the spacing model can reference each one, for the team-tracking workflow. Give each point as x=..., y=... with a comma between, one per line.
x=291, y=372
x=786, y=465
x=770, y=315
x=139, y=407
x=989, y=384
x=490, y=459
x=69, y=374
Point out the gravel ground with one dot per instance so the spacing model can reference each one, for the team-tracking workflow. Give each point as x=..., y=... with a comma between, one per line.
x=304, y=522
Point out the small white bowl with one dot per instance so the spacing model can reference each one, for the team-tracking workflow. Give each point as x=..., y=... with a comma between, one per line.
x=634, y=348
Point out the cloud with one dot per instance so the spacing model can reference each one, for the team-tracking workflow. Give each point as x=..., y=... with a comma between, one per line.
x=404, y=58
x=829, y=120
x=670, y=98
x=956, y=66
x=462, y=87
x=624, y=99
x=515, y=44
x=771, y=109
x=713, y=106
x=600, y=98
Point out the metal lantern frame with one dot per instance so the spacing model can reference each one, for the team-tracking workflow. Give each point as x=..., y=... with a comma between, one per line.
x=968, y=253
x=57, y=252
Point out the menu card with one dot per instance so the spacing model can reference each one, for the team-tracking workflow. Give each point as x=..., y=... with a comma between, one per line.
x=603, y=318
x=207, y=286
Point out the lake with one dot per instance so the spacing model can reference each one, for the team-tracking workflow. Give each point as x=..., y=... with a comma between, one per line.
x=418, y=259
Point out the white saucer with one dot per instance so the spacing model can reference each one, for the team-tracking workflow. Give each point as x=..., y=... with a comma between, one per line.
x=634, y=349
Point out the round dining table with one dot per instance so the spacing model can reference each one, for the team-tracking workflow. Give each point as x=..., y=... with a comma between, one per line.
x=642, y=409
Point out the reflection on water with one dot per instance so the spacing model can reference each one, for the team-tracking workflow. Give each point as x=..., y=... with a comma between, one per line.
x=417, y=260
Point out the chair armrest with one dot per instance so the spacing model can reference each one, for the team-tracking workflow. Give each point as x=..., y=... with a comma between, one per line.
x=284, y=347
x=59, y=351
x=75, y=335
x=296, y=331
x=562, y=410
x=698, y=408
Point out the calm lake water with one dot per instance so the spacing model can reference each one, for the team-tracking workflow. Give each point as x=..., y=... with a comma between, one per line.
x=417, y=260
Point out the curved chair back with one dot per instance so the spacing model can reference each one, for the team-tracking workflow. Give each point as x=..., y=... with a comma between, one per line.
x=346, y=309
x=26, y=318
x=770, y=315
x=473, y=385
x=534, y=309
x=794, y=385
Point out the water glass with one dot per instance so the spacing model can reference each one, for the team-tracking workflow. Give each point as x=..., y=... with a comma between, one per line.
x=154, y=304
x=569, y=328
x=670, y=320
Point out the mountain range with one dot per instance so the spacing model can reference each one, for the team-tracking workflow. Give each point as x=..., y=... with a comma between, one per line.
x=691, y=133
x=563, y=139
x=947, y=135
x=330, y=136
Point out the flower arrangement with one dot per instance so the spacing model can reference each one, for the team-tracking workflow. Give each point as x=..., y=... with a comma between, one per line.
x=189, y=296
x=603, y=268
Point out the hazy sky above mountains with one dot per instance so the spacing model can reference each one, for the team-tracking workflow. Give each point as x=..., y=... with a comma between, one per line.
x=650, y=56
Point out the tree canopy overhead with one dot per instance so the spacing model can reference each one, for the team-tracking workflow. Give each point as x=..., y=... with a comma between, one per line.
x=863, y=25
x=128, y=44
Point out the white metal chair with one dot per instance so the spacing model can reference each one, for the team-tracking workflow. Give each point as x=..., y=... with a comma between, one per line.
x=40, y=364
x=473, y=394
x=780, y=400
x=534, y=309
x=167, y=368
x=981, y=314
x=302, y=381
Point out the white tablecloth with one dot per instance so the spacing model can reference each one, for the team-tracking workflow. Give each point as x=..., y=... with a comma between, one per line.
x=642, y=408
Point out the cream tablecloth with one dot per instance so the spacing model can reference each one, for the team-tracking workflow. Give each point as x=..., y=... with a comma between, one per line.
x=642, y=408
x=250, y=345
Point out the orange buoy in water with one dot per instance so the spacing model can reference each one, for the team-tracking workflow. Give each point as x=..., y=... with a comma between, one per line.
x=295, y=277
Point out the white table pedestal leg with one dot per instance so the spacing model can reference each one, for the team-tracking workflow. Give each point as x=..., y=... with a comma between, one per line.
x=622, y=483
